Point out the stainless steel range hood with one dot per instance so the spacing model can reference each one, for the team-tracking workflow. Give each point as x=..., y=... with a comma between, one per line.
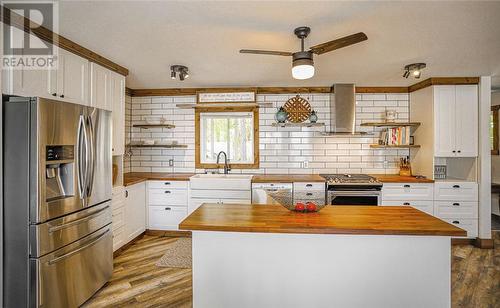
x=343, y=110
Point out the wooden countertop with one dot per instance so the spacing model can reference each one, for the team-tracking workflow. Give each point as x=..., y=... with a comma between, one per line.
x=137, y=177
x=286, y=178
x=396, y=178
x=363, y=220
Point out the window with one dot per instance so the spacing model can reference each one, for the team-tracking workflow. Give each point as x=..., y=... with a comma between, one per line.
x=494, y=130
x=234, y=132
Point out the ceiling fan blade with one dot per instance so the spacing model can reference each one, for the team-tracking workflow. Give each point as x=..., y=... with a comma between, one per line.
x=266, y=52
x=339, y=43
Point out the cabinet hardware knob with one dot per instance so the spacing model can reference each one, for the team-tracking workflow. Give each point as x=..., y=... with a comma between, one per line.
x=167, y=183
x=167, y=191
x=456, y=222
x=456, y=204
x=454, y=151
x=167, y=209
x=459, y=151
x=456, y=186
x=62, y=95
x=309, y=185
x=406, y=186
x=309, y=194
x=126, y=194
x=54, y=94
x=406, y=203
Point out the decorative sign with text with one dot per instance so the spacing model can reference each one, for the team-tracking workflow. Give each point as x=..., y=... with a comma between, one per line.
x=227, y=97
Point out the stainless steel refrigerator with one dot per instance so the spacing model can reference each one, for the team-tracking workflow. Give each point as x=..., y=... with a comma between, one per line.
x=57, y=169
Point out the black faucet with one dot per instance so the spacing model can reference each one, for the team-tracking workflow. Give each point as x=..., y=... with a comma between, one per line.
x=226, y=167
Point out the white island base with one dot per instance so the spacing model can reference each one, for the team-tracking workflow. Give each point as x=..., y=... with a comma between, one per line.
x=239, y=269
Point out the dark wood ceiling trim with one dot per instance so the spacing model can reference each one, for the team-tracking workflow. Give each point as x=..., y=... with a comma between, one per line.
x=381, y=89
x=258, y=90
x=10, y=18
x=128, y=91
x=443, y=81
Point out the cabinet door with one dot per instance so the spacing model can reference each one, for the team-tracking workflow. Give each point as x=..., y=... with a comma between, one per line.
x=118, y=100
x=166, y=217
x=444, y=121
x=73, y=78
x=466, y=124
x=100, y=87
x=135, y=210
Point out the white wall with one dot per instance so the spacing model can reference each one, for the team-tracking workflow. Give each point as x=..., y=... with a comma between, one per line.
x=282, y=150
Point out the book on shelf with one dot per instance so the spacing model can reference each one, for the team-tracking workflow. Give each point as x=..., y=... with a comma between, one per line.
x=395, y=136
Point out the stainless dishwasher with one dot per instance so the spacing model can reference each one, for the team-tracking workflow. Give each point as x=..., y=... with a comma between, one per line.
x=260, y=192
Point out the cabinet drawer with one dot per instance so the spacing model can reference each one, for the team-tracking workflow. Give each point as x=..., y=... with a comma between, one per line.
x=309, y=186
x=167, y=197
x=407, y=191
x=168, y=184
x=426, y=206
x=469, y=225
x=309, y=195
x=166, y=217
x=456, y=191
x=452, y=209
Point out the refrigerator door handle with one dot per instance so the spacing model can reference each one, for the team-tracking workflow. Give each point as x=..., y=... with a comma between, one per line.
x=91, y=171
x=80, y=147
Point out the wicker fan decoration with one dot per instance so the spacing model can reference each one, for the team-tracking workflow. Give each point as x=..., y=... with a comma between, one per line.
x=298, y=109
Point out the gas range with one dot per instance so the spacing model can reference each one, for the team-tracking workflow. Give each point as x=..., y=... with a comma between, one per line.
x=350, y=179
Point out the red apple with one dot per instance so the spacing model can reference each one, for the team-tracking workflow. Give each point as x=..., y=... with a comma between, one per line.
x=300, y=207
x=311, y=207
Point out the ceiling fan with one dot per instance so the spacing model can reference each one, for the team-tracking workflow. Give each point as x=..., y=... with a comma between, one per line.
x=302, y=61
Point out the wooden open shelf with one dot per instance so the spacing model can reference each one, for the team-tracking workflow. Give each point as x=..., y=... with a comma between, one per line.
x=402, y=146
x=391, y=124
x=305, y=124
x=165, y=146
x=205, y=105
x=146, y=126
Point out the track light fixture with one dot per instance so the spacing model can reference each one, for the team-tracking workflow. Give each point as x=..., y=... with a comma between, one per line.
x=415, y=69
x=181, y=70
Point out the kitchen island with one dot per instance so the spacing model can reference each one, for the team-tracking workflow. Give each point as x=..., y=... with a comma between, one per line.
x=343, y=256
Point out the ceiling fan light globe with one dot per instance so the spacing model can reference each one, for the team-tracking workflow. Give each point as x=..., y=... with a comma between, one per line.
x=303, y=69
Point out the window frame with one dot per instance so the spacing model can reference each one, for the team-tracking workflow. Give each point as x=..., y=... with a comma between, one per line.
x=197, y=118
x=495, y=110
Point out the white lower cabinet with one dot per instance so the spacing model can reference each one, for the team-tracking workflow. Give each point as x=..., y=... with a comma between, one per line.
x=417, y=195
x=469, y=225
x=167, y=204
x=426, y=206
x=135, y=210
x=118, y=221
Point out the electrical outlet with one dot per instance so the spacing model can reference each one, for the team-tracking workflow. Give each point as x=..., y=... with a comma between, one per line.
x=171, y=162
x=305, y=164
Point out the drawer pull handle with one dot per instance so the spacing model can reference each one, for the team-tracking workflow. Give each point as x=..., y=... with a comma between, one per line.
x=456, y=186
x=167, y=183
x=309, y=194
x=168, y=209
x=406, y=186
x=456, y=204
x=406, y=203
x=454, y=151
x=167, y=191
x=309, y=185
x=54, y=94
x=126, y=194
x=459, y=151
x=456, y=222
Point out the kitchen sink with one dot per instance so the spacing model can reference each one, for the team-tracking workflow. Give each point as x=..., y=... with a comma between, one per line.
x=221, y=181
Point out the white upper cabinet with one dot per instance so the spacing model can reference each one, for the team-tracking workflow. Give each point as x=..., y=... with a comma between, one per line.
x=118, y=100
x=466, y=124
x=456, y=121
x=73, y=78
x=100, y=87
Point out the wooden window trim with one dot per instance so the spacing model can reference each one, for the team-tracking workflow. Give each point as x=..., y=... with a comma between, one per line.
x=495, y=150
x=197, y=139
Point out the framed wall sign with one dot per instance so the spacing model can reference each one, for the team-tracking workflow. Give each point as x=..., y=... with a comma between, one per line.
x=226, y=97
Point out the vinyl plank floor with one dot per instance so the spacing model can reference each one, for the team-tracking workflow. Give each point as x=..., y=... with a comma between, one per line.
x=138, y=282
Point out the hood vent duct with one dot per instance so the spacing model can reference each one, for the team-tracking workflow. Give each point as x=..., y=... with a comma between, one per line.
x=343, y=110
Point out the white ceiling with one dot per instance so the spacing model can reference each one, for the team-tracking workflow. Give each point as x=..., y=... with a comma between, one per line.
x=453, y=38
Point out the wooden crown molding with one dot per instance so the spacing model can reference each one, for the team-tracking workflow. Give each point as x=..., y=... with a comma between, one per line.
x=23, y=23
x=443, y=81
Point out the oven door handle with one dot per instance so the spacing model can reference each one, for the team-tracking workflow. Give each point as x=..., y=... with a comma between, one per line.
x=354, y=193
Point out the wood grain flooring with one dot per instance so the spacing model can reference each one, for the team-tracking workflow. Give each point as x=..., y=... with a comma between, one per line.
x=138, y=282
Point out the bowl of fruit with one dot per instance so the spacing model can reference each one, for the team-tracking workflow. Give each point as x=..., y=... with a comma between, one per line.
x=306, y=207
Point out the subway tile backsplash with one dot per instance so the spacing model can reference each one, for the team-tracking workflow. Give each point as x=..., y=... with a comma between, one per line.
x=282, y=150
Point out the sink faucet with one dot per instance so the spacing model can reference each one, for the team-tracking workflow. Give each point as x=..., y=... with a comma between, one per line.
x=226, y=167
